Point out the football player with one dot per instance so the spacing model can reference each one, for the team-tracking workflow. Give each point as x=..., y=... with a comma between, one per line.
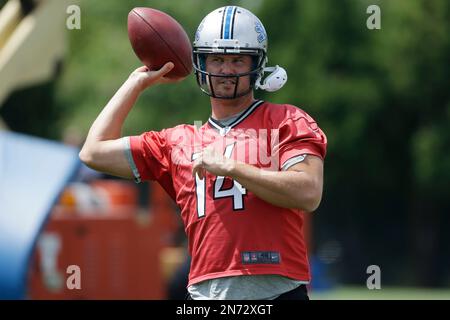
x=243, y=180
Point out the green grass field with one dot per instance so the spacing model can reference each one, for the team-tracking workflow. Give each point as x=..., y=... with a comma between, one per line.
x=388, y=293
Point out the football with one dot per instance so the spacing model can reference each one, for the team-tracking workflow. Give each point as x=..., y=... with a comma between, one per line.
x=157, y=38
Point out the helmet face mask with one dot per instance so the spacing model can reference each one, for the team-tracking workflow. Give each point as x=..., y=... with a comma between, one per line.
x=229, y=30
x=207, y=80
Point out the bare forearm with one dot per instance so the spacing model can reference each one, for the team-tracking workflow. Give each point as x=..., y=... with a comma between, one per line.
x=288, y=189
x=104, y=150
x=108, y=125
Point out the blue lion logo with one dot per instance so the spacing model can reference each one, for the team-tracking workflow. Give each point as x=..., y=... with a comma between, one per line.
x=260, y=31
x=200, y=28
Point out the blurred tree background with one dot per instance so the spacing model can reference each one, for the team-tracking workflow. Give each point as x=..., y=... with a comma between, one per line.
x=381, y=96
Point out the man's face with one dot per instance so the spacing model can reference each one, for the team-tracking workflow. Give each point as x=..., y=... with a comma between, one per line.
x=229, y=65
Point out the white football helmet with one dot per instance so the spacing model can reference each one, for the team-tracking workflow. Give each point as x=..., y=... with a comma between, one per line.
x=234, y=30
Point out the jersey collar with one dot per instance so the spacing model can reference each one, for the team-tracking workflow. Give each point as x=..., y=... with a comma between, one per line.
x=225, y=129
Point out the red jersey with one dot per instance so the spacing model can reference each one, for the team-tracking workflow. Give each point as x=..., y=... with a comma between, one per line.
x=230, y=231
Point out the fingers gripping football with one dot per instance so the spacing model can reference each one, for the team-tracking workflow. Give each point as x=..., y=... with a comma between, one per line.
x=146, y=78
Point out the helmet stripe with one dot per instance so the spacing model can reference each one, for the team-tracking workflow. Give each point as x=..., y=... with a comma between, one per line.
x=232, y=22
x=223, y=22
x=228, y=19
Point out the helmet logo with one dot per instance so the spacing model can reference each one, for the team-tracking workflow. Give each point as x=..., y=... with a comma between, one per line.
x=199, y=29
x=260, y=31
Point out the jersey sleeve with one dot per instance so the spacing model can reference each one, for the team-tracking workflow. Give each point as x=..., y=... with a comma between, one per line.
x=149, y=156
x=299, y=135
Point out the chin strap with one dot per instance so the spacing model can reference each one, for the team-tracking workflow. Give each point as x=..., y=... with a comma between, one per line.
x=274, y=81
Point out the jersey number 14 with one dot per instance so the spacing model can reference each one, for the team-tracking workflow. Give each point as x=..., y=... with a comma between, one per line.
x=237, y=192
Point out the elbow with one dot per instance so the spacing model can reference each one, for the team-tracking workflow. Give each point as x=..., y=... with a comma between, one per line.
x=86, y=157
x=310, y=200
